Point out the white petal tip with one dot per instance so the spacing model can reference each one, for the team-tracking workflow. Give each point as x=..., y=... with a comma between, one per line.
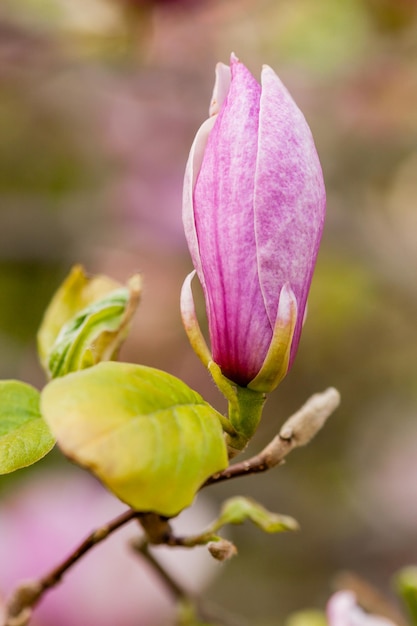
x=221, y=88
x=190, y=322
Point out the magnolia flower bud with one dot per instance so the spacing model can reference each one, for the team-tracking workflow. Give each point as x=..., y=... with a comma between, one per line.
x=253, y=212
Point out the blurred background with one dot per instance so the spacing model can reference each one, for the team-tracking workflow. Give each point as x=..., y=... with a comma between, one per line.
x=99, y=104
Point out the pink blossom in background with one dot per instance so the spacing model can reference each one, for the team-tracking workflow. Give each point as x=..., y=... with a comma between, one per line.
x=342, y=610
x=44, y=519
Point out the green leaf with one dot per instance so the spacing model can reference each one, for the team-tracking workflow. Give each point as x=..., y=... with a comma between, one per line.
x=309, y=617
x=86, y=322
x=144, y=433
x=406, y=585
x=24, y=436
x=239, y=509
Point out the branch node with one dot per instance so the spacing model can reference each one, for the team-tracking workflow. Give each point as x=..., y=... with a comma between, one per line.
x=19, y=620
x=19, y=606
x=297, y=431
x=301, y=427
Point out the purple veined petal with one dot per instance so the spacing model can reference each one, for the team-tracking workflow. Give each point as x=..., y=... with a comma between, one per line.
x=289, y=199
x=239, y=329
x=195, y=159
x=254, y=204
x=305, y=315
x=191, y=172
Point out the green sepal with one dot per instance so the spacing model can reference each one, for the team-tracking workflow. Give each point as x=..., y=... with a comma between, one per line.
x=145, y=434
x=245, y=410
x=239, y=509
x=24, y=436
x=86, y=322
x=406, y=585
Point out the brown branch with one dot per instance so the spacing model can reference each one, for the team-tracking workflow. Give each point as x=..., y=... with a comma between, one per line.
x=297, y=431
x=28, y=594
x=97, y=536
x=175, y=589
x=205, y=611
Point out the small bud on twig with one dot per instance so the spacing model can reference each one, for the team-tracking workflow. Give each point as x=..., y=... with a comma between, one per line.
x=297, y=431
x=305, y=424
x=222, y=550
x=19, y=606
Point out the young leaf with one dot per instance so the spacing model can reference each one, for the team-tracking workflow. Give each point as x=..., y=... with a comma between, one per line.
x=406, y=585
x=238, y=509
x=144, y=433
x=24, y=436
x=86, y=322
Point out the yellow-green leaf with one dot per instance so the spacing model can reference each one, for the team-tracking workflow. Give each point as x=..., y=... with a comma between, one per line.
x=406, y=584
x=144, y=433
x=238, y=509
x=24, y=436
x=86, y=322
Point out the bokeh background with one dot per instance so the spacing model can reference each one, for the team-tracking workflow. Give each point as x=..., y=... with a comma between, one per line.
x=99, y=103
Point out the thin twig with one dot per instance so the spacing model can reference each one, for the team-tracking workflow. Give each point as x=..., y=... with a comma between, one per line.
x=206, y=611
x=297, y=431
x=97, y=536
x=28, y=594
x=176, y=590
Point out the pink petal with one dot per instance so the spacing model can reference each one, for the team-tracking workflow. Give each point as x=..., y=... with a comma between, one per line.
x=289, y=199
x=226, y=238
